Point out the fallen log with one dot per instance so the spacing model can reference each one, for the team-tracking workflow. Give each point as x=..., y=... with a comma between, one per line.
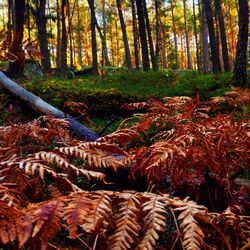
x=44, y=108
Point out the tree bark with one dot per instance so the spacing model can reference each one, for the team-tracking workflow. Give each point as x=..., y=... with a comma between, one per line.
x=150, y=40
x=240, y=68
x=198, y=59
x=79, y=40
x=44, y=108
x=175, y=36
x=204, y=42
x=58, y=36
x=15, y=68
x=104, y=37
x=214, y=46
x=64, y=37
x=70, y=34
x=143, y=37
x=135, y=35
x=223, y=35
x=42, y=34
x=187, y=35
x=124, y=35
x=157, y=31
x=93, y=38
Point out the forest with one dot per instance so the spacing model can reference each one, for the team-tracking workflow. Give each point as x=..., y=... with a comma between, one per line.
x=124, y=124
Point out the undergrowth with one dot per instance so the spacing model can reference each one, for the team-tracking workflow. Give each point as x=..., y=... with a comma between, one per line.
x=49, y=196
x=106, y=94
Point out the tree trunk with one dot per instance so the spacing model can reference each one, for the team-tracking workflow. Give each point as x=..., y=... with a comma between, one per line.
x=42, y=34
x=240, y=68
x=93, y=38
x=44, y=108
x=214, y=46
x=143, y=38
x=198, y=59
x=223, y=35
x=135, y=35
x=64, y=37
x=79, y=40
x=187, y=35
x=124, y=35
x=150, y=40
x=175, y=37
x=58, y=28
x=70, y=34
x=204, y=42
x=15, y=68
x=105, y=49
x=157, y=31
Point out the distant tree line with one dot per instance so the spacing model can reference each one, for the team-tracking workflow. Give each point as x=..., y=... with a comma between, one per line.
x=133, y=33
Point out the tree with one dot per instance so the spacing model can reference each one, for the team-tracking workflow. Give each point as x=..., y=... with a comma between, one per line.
x=64, y=37
x=223, y=35
x=124, y=34
x=93, y=38
x=175, y=36
x=187, y=34
x=204, y=41
x=135, y=35
x=198, y=59
x=15, y=68
x=214, y=46
x=58, y=29
x=240, y=68
x=143, y=38
x=150, y=40
x=157, y=31
x=40, y=16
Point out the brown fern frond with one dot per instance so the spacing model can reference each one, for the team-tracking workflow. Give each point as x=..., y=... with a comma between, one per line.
x=127, y=226
x=98, y=155
x=76, y=211
x=100, y=213
x=154, y=220
x=192, y=233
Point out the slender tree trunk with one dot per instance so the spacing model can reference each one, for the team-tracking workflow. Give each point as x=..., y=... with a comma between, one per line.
x=10, y=11
x=104, y=43
x=15, y=68
x=105, y=48
x=42, y=35
x=58, y=27
x=64, y=37
x=28, y=19
x=198, y=59
x=240, y=68
x=232, y=33
x=143, y=37
x=79, y=40
x=51, y=39
x=150, y=40
x=204, y=42
x=175, y=37
x=214, y=46
x=223, y=35
x=187, y=35
x=70, y=34
x=93, y=38
x=124, y=34
x=157, y=30
x=135, y=35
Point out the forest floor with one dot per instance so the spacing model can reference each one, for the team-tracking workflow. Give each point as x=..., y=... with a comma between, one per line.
x=167, y=138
